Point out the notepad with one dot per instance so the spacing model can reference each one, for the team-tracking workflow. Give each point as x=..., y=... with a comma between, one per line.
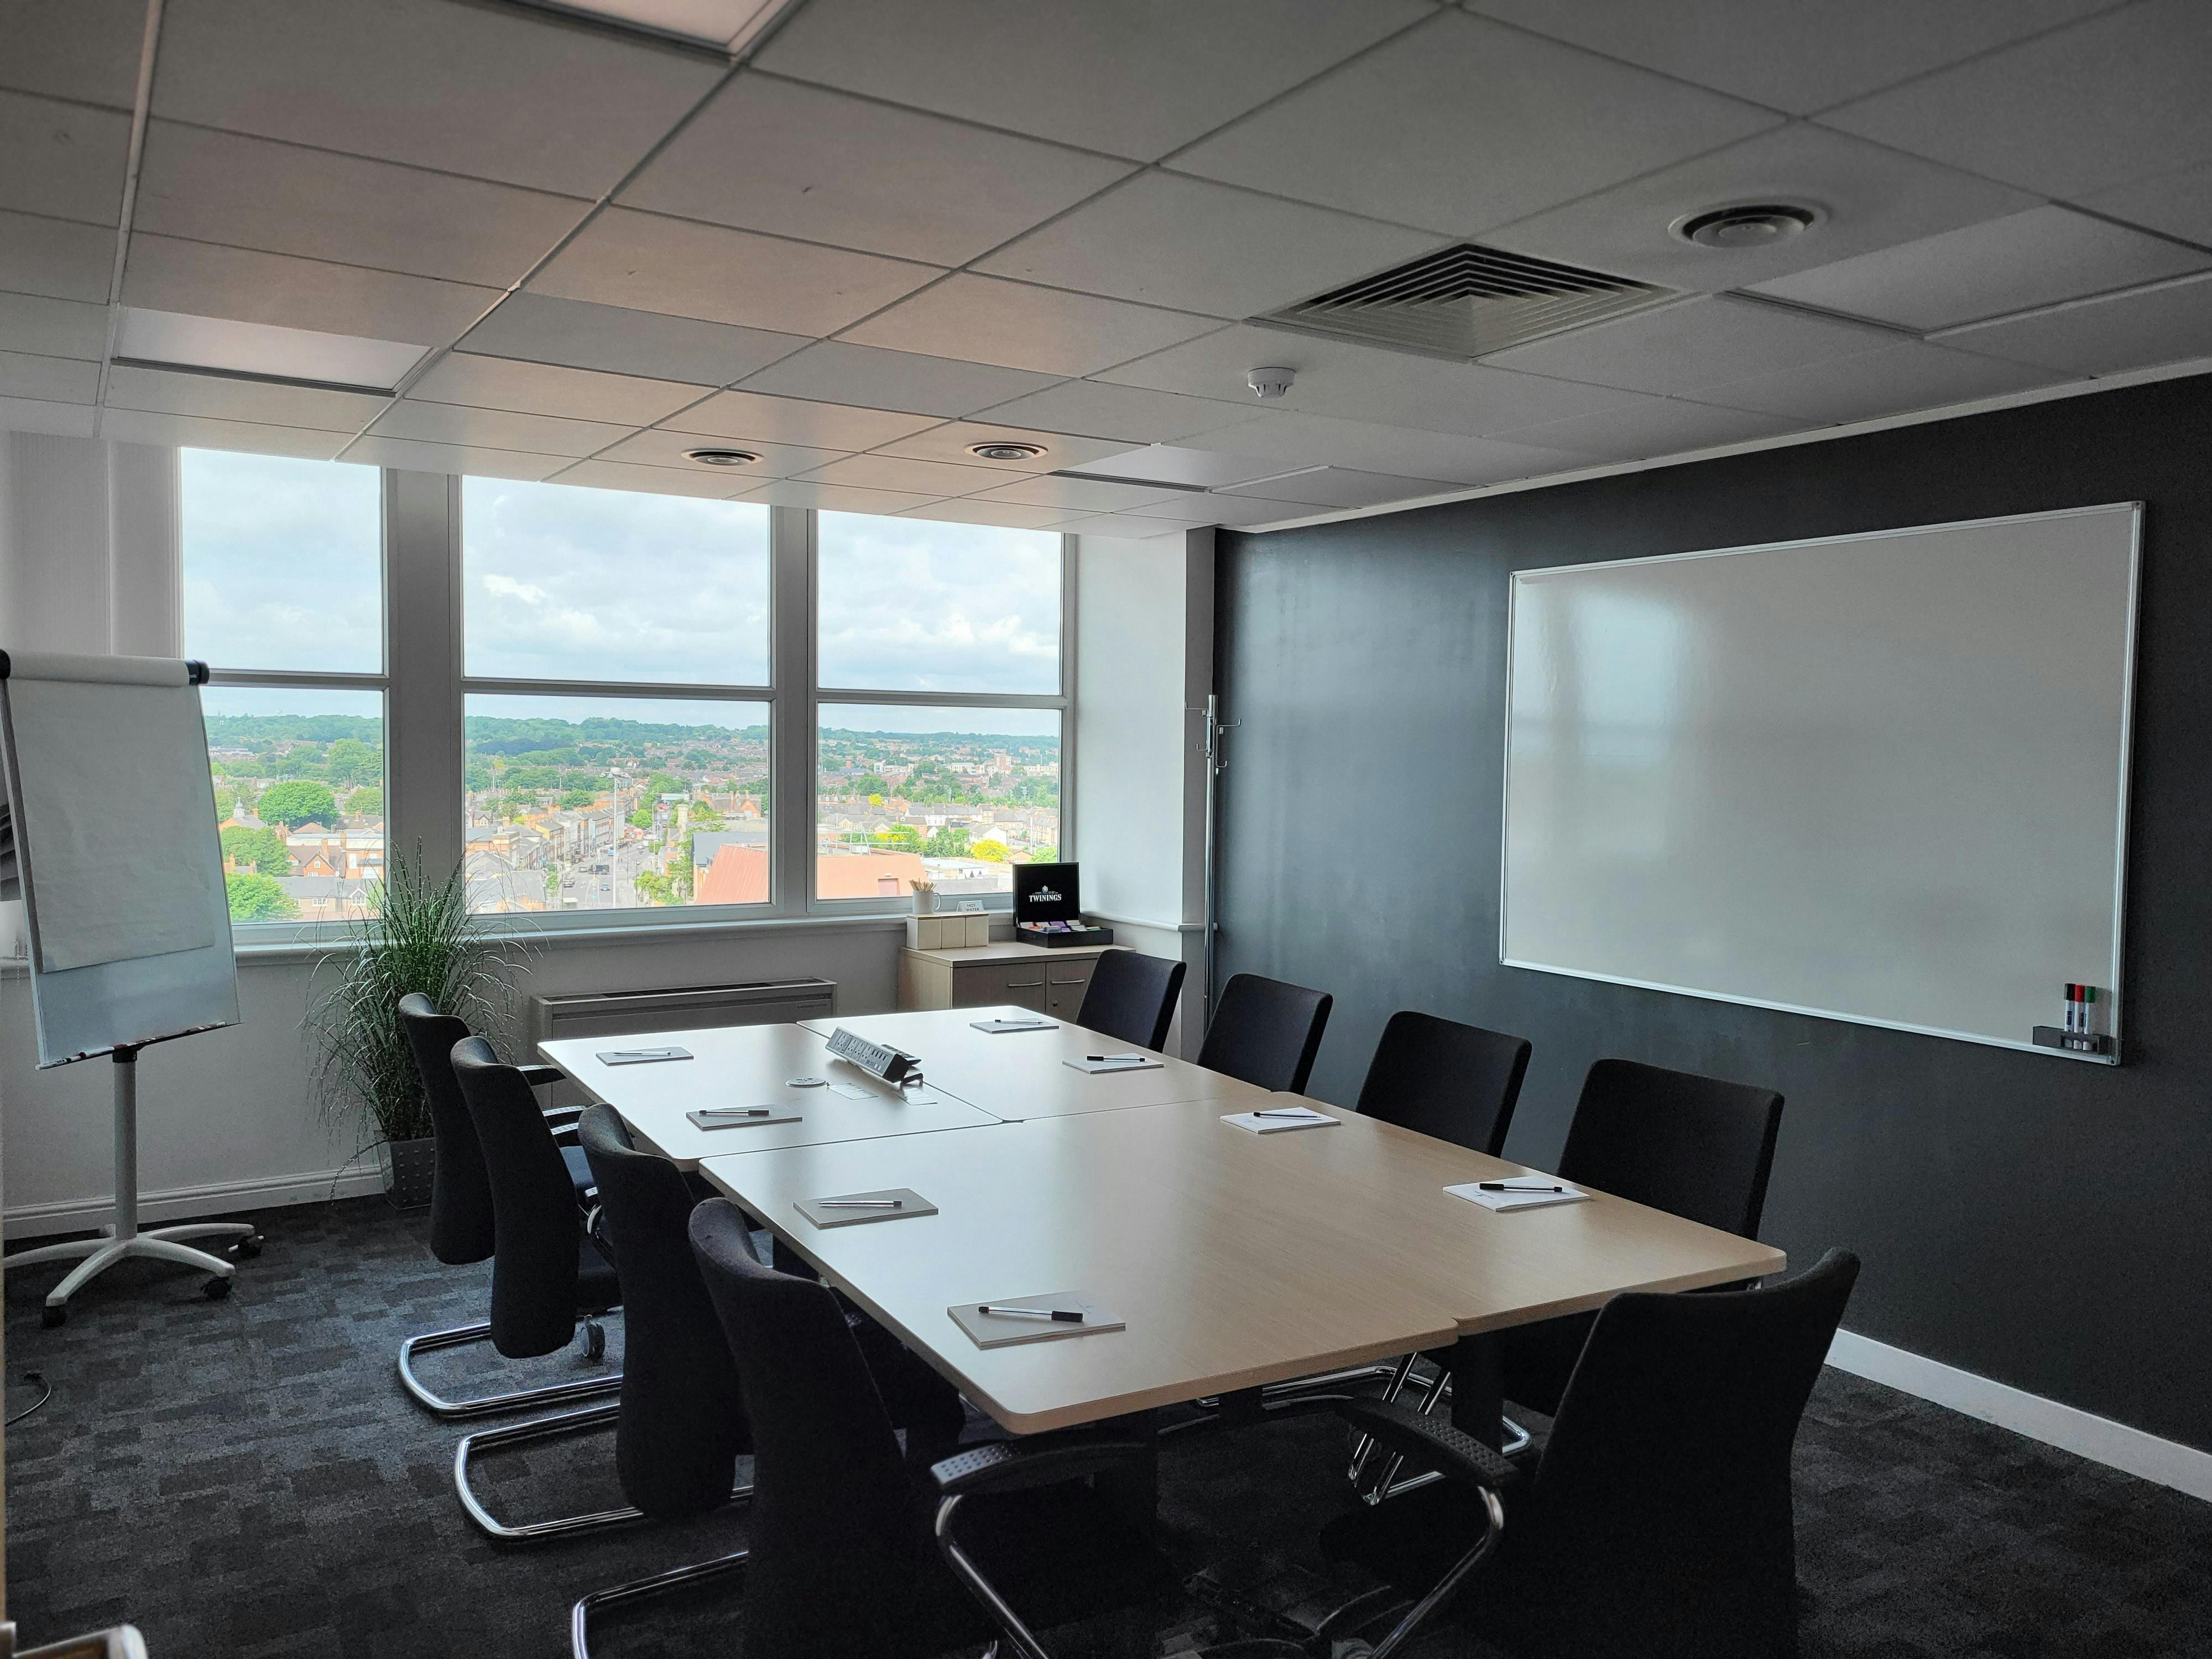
x=1104, y=1063
x=717, y=1117
x=1469, y=1189
x=1304, y=1118
x=987, y=1331
x=852, y=1209
x=1000, y=1027
x=639, y=1056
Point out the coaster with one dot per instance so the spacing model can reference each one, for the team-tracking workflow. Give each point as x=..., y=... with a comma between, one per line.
x=806, y=1083
x=1003, y=1331
x=847, y=1209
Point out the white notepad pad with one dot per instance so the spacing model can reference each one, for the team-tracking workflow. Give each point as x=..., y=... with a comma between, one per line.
x=1000, y=1027
x=986, y=1331
x=847, y=1209
x=1517, y=1201
x=705, y=1118
x=1305, y=1118
x=1114, y=1063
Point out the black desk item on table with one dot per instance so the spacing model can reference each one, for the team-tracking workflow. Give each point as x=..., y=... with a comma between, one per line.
x=1131, y=998
x=461, y=1228
x=843, y=1560
x=1266, y=1033
x=1658, y=1522
x=1049, y=907
x=877, y=1059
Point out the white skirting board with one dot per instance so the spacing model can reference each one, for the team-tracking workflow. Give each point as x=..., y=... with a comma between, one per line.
x=83, y=1215
x=2085, y=1434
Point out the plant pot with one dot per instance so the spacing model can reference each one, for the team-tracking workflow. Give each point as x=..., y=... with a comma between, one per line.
x=407, y=1167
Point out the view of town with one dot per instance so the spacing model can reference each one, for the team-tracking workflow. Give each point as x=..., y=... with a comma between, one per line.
x=605, y=813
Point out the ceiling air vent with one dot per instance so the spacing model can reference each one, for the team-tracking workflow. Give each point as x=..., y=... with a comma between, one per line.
x=1468, y=302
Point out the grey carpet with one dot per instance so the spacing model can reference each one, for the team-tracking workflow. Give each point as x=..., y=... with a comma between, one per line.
x=244, y=1478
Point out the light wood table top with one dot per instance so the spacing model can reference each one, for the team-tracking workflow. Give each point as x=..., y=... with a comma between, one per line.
x=748, y=1066
x=1020, y=1075
x=1236, y=1259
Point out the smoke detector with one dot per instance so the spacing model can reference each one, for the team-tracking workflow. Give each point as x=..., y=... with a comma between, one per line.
x=1759, y=224
x=1005, y=451
x=721, y=457
x=1270, y=383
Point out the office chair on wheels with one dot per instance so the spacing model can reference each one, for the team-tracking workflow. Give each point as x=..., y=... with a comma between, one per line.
x=461, y=1228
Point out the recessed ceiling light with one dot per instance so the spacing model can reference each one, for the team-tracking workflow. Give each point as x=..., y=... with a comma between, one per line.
x=1005, y=451
x=722, y=456
x=261, y=351
x=1757, y=224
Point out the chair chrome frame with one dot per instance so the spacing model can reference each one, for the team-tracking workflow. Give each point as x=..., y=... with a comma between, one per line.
x=559, y=1427
x=582, y=1387
x=1516, y=1439
x=638, y=1589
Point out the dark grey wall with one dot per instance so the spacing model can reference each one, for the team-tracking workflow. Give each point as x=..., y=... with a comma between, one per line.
x=2034, y=1219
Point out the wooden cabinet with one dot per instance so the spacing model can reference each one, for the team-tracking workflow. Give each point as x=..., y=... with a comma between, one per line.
x=1026, y=976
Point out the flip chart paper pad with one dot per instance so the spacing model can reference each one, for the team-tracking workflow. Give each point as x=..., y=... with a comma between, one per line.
x=989, y=1332
x=1880, y=778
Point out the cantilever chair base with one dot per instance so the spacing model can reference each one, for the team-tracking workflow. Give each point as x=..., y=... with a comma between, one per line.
x=583, y=1387
x=542, y=1428
x=638, y=1589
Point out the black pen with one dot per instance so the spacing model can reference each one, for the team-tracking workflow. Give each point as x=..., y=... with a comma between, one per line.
x=1115, y=1060
x=1501, y=1186
x=736, y=1111
x=859, y=1203
x=1062, y=1315
x=1305, y=1112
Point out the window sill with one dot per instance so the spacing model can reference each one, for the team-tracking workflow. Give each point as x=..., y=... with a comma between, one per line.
x=275, y=951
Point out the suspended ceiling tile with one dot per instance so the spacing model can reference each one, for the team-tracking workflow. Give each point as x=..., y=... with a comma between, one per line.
x=1796, y=58
x=134, y=426
x=1362, y=382
x=1191, y=245
x=774, y=155
x=1020, y=326
x=1665, y=426
x=163, y=392
x=1894, y=381
x=1339, y=486
x=654, y=480
x=85, y=50
x=1871, y=198
x=251, y=192
x=951, y=441
x=1699, y=343
x=56, y=258
x=1129, y=527
x=56, y=420
x=53, y=328
x=934, y=478
x=838, y=498
x=1170, y=464
x=1127, y=413
x=1076, y=494
x=495, y=429
x=1395, y=133
x=798, y=421
x=204, y=279
x=2168, y=323
x=834, y=372
x=539, y=328
x=583, y=394
x=48, y=379
x=2113, y=99
x=495, y=92
x=648, y=262
x=665, y=449
x=1003, y=515
x=1294, y=440
x=1235, y=511
x=2179, y=204
x=62, y=159
x=1130, y=78
x=469, y=461
x=2014, y=264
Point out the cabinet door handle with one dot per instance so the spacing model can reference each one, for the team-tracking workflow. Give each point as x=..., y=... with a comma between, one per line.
x=1071, y=981
x=1024, y=984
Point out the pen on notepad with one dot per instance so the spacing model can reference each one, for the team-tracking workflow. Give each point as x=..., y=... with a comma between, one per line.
x=1291, y=1111
x=860, y=1204
x=1115, y=1060
x=1505, y=1187
x=736, y=1111
x=1061, y=1315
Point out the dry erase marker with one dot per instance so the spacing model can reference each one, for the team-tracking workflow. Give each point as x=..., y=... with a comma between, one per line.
x=1058, y=1316
x=1502, y=1187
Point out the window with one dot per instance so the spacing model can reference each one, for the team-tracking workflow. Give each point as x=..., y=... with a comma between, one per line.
x=586, y=786
x=283, y=585
x=959, y=779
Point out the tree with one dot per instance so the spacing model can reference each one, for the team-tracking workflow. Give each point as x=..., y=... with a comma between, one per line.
x=903, y=836
x=1042, y=855
x=297, y=801
x=661, y=783
x=258, y=898
x=642, y=818
x=572, y=799
x=366, y=802
x=990, y=850
x=224, y=801
x=352, y=760
x=257, y=852
x=949, y=843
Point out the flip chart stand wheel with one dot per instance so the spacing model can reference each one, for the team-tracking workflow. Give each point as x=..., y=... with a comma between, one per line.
x=121, y=1239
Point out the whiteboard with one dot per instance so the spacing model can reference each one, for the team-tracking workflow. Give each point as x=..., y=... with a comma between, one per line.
x=109, y=836
x=1879, y=778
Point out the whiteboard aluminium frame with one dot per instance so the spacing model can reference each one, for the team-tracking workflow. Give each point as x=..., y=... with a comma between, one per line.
x=2134, y=510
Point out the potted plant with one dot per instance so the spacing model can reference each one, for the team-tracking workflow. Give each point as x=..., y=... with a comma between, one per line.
x=417, y=936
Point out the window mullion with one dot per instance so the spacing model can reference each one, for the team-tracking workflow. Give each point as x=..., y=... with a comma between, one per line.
x=423, y=762
x=791, y=719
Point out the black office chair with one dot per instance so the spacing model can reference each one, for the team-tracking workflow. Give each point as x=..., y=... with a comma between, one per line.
x=1657, y=1523
x=1265, y=1032
x=841, y=1531
x=1458, y=1082
x=548, y=1273
x=1131, y=998
x=460, y=1205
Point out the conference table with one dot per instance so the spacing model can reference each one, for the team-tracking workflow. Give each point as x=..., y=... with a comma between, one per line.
x=1232, y=1259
